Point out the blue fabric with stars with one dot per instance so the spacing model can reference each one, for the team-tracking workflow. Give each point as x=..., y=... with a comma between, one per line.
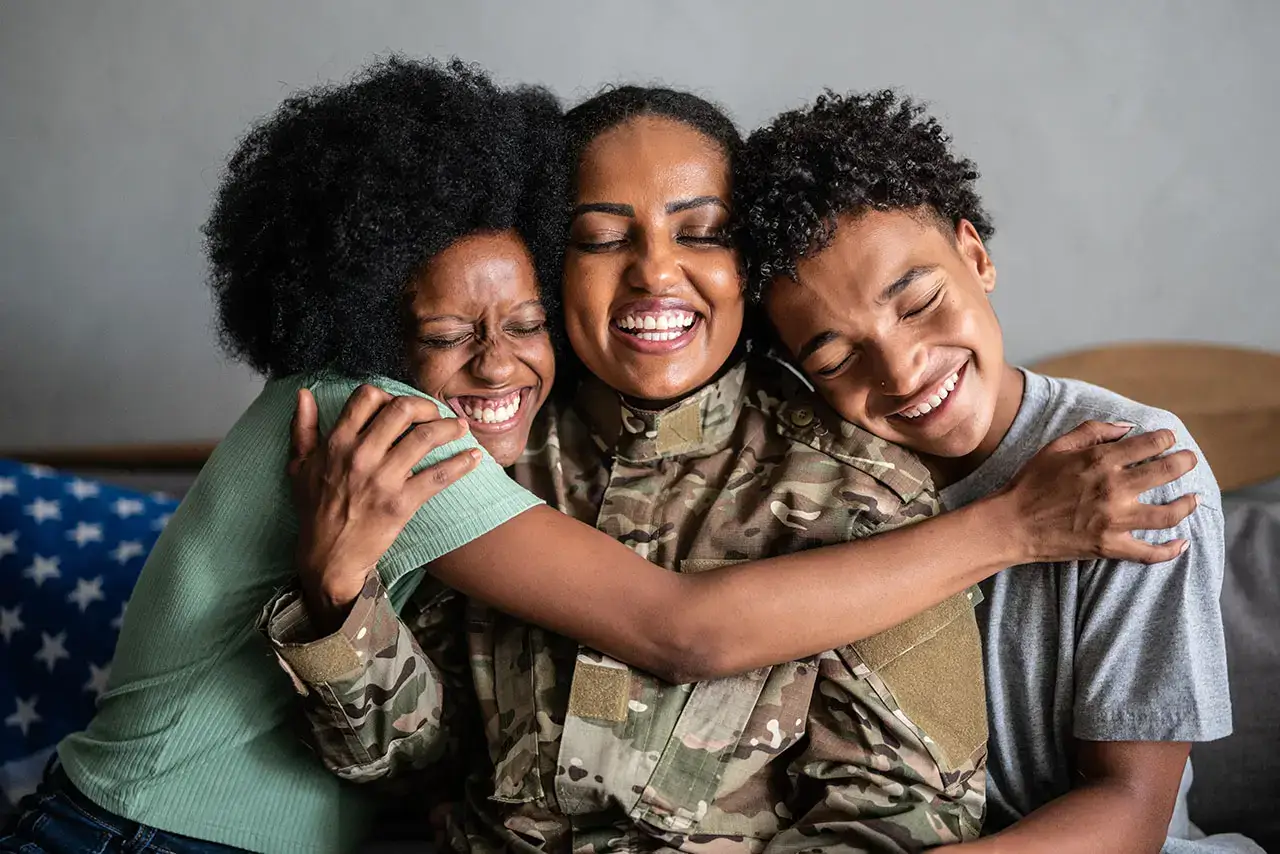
x=70, y=553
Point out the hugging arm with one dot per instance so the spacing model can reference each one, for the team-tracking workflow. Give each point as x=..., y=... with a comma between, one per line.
x=1077, y=498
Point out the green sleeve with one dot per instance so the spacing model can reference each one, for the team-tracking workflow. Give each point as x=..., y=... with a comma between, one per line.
x=475, y=505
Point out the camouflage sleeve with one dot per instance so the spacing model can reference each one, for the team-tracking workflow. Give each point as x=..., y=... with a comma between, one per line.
x=373, y=700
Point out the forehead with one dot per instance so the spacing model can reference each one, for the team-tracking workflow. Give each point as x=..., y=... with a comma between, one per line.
x=650, y=155
x=478, y=270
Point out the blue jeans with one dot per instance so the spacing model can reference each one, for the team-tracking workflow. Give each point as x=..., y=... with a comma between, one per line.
x=58, y=819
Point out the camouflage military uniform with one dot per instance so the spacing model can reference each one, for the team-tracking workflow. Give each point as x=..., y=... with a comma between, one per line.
x=878, y=746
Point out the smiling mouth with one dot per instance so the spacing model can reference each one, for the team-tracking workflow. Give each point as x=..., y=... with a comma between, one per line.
x=493, y=413
x=936, y=399
x=656, y=326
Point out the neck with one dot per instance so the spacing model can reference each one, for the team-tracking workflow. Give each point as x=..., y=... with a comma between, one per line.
x=647, y=405
x=948, y=470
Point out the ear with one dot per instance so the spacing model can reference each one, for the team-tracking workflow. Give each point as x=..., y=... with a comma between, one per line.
x=974, y=253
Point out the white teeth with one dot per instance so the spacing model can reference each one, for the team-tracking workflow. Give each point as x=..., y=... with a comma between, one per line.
x=492, y=412
x=662, y=322
x=935, y=399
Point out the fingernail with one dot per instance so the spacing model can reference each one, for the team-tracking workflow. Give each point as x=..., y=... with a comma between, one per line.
x=1129, y=425
x=1186, y=544
x=475, y=454
x=1198, y=499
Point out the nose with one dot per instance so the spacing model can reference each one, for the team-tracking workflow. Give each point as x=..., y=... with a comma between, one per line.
x=654, y=268
x=495, y=364
x=900, y=367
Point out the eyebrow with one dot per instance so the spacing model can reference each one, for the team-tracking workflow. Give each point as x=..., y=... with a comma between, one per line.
x=903, y=282
x=603, y=207
x=815, y=344
x=429, y=318
x=695, y=202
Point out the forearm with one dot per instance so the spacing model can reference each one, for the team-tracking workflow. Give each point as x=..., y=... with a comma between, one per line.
x=585, y=585
x=1103, y=816
x=1122, y=801
x=796, y=605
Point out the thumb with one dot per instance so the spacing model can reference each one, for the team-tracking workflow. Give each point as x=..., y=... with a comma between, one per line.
x=1091, y=433
x=304, y=429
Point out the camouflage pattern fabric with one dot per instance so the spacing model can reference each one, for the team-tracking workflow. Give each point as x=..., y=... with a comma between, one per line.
x=879, y=746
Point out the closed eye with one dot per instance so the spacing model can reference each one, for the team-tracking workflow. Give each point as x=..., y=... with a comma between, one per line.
x=832, y=370
x=933, y=300
x=715, y=239
x=527, y=328
x=442, y=342
x=598, y=245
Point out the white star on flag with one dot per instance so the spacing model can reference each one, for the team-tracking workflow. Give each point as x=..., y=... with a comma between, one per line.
x=86, y=592
x=82, y=489
x=42, y=510
x=118, y=622
x=126, y=507
x=126, y=551
x=43, y=569
x=52, y=649
x=9, y=543
x=98, y=677
x=161, y=521
x=8, y=486
x=39, y=471
x=25, y=716
x=85, y=532
x=11, y=622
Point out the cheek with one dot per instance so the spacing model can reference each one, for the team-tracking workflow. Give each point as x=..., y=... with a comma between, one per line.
x=540, y=357
x=590, y=284
x=848, y=397
x=721, y=288
x=434, y=372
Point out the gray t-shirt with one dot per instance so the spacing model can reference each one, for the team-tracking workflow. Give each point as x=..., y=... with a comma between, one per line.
x=1097, y=650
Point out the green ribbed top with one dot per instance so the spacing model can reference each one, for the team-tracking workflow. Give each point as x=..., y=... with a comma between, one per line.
x=195, y=734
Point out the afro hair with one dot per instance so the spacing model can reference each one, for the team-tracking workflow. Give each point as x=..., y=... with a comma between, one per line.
x=333, y=204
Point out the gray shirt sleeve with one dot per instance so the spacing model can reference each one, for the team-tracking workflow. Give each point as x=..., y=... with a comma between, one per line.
x=1150, y=661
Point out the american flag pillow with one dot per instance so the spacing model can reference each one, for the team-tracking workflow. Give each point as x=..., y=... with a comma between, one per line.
x=70, y=553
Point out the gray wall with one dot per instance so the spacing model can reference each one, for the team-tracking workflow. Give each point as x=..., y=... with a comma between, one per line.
x=1123, y=145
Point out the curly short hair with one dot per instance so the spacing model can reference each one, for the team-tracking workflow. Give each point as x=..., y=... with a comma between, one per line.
x=844, y=154
x=332, y=205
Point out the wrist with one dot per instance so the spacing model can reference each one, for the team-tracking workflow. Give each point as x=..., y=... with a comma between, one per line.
x=329, y=597
x=1008, y=532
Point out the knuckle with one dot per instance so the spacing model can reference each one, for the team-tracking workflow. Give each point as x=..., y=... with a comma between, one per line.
x=363, y=460
x=402, y=406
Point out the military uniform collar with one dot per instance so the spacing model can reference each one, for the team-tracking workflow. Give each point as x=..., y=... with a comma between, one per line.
x=701, y=423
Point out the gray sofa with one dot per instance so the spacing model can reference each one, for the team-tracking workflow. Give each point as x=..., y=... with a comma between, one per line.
x=1237, y=779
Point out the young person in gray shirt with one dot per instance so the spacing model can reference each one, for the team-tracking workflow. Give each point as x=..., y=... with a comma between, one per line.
x=865, y=240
